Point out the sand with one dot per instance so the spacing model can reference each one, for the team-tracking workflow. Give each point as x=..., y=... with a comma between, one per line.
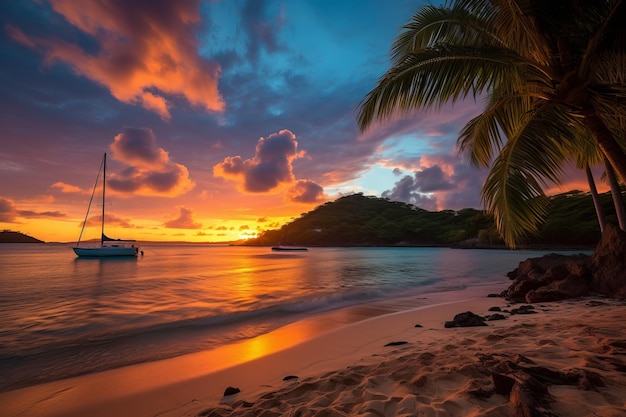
x=374, y=361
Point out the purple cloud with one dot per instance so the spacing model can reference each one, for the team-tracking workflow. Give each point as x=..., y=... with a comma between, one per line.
x=305, y=191
x=151, y=171
x=8, y=211
x=443, y=182
x=271, y=166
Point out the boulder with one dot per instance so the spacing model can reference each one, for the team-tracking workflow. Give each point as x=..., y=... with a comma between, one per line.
x=231, y=391
x=609, y=263
x=467, y=319
x=556, y=277
x=570, y=287
x=551, y=277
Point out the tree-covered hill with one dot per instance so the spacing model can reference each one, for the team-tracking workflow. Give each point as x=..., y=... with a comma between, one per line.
x=359, y=220
x=8, y=236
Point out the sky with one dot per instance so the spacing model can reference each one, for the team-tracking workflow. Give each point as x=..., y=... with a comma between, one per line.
x=220, y=119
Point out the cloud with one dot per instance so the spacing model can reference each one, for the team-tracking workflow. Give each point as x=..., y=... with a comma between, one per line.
x=40, y=214
x=305, y=191
x=184, y=220
x=150, y=169
x=261, y=32
x=67, y=188
x=8, y=212
x=270, y=168
x=111, y=220
x=407, y=191
x=144, y=52
x=441, y=182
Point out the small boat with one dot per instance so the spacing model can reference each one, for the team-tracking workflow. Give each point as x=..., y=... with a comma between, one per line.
x=106, y=249
x=282, y=248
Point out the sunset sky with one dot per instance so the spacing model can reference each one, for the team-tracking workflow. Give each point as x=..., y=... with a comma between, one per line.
x=220, y=118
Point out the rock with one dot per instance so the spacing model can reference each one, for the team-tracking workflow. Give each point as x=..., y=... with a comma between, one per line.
x=549, y=278
x=529, y=398
x=495, y=309
x=418, y=325
x=503, y=384
x=570, y=287
x=585, y=379
x=231, y=391
x=396, y=343
x=480, y=393
x=544, y=374
x=556, y=277
x=525, y=309
x=467, y=319
x=595, y=303
x=609, y=263
x=493, y=317
x=290, y=377
x=522, y=359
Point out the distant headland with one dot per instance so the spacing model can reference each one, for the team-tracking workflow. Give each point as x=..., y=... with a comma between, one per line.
x=9, y=236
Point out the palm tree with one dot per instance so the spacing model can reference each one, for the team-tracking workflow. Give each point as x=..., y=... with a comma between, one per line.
x=587, y=154
x=596, y=199
x=551, y=71
x=616, y=193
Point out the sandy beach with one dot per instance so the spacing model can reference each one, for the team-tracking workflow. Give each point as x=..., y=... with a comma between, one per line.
x=390, y=358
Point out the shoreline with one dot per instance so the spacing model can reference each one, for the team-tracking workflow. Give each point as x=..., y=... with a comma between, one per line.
x=193, y=383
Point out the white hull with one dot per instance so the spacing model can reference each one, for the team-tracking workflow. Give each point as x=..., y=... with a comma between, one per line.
x=106, y=251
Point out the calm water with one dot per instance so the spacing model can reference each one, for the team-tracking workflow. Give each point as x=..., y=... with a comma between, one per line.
x=62, y=316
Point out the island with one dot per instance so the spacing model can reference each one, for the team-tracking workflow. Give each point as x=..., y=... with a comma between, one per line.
x=9, y=236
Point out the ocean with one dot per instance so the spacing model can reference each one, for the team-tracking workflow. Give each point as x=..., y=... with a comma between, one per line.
x=62, y=316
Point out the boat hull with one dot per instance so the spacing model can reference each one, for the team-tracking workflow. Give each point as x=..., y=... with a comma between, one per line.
x=289, y=249
x=106, y=251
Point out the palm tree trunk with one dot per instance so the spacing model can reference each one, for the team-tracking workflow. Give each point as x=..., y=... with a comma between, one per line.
x=595, y=198
x=616, y=193
x=604, y=138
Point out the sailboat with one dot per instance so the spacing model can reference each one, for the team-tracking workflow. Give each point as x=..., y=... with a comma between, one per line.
x=107, y=248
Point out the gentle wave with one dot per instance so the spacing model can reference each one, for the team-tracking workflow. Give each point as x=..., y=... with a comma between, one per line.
x=66, y=317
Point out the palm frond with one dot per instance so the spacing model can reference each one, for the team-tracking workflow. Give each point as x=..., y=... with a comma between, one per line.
x=485, y=134
x=435, y=76
x=608, y=36
x=516, y=24
x=457, y=25
x=530, y=160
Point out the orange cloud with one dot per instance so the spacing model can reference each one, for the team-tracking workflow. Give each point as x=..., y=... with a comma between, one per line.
x=67, y=188
x=184, y=220
x=442, y=161
x=150, y=171
x=146, y=51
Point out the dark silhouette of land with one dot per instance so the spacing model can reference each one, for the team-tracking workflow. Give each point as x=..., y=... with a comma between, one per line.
x=9, y=236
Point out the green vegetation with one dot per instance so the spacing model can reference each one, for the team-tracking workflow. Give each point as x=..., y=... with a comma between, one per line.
x=359, y=220
x=553, y=74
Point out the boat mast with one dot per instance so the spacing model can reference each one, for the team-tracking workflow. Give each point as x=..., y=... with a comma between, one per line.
x=104, y=184
x=93, y=193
